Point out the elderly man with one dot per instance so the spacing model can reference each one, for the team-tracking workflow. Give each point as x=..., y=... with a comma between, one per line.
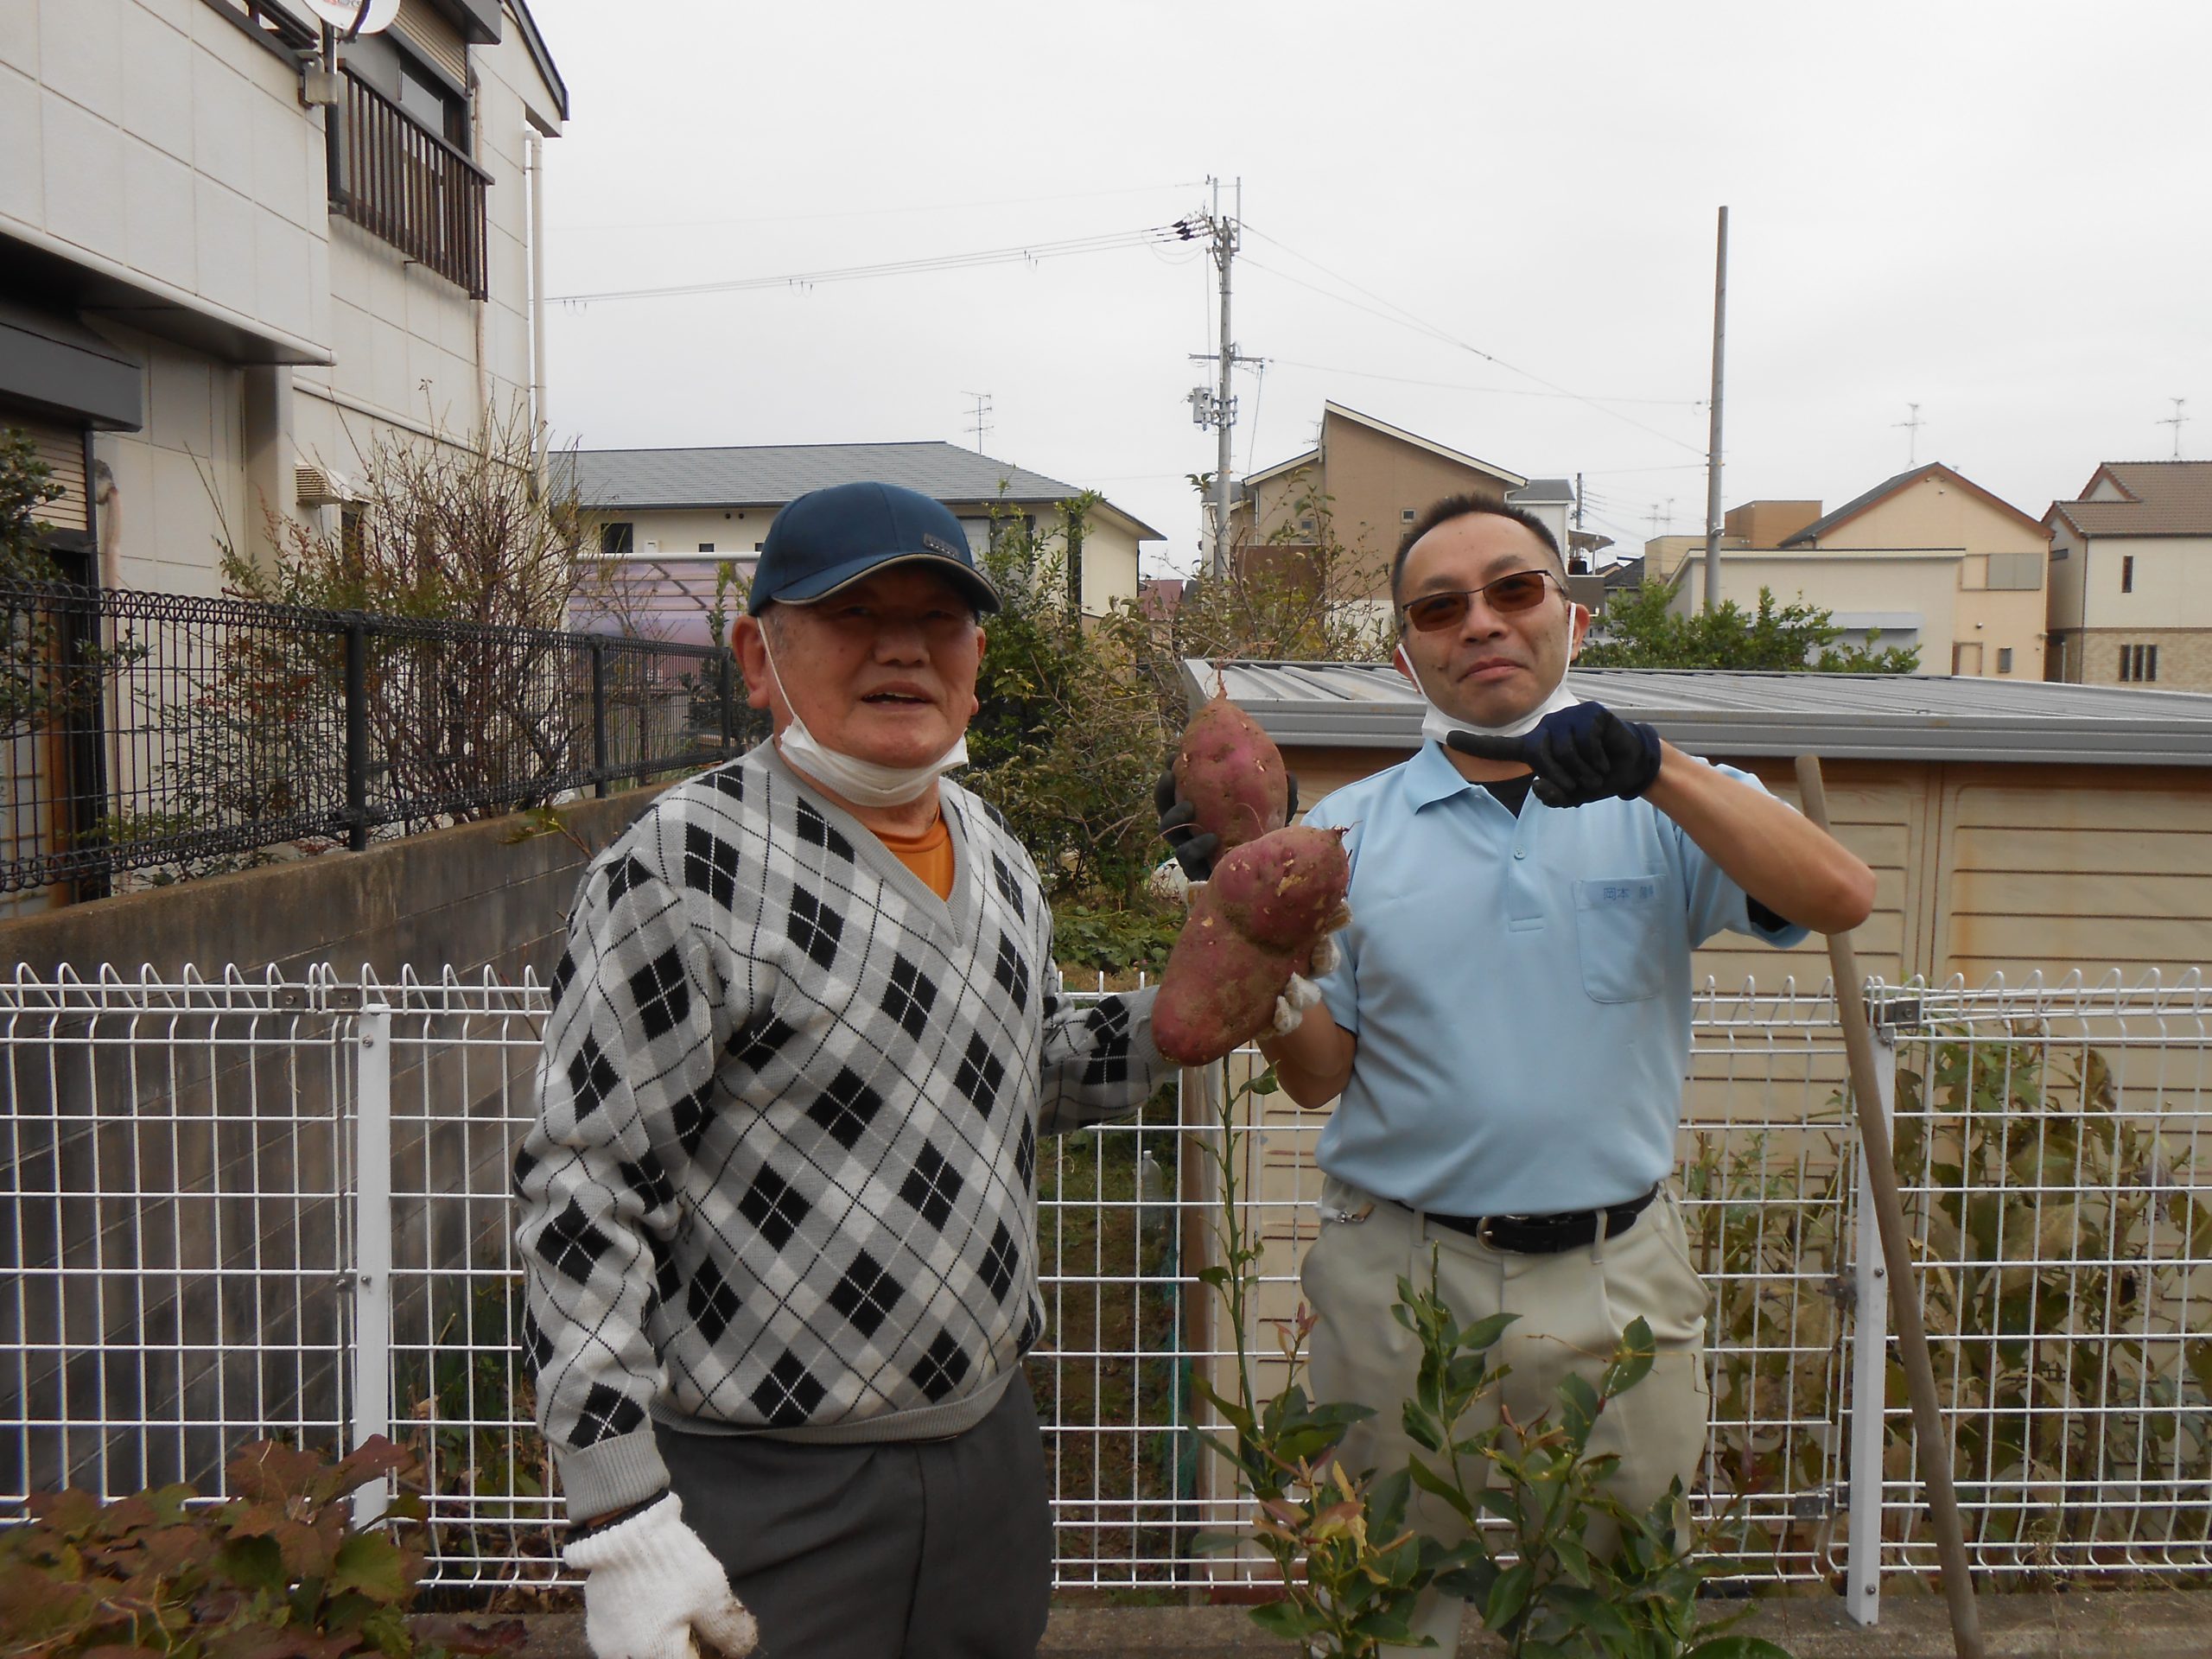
x=1508, y=1022
x=779, y=1206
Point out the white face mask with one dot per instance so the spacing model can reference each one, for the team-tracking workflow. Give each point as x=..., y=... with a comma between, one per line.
x=864, y=783
x=1436, y=725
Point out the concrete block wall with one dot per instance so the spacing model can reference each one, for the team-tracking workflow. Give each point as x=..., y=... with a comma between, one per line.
x=466, y=897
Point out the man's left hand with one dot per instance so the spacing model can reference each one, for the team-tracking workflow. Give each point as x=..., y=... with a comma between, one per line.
x=1580, y=754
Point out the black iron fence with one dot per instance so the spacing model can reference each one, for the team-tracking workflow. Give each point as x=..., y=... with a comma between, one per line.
x=169, y=735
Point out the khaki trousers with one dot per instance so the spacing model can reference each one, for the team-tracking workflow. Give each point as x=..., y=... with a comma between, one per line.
x=1572, y=1308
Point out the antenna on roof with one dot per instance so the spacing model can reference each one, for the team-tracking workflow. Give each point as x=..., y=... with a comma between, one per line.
x=353, y=18
x=1911, y=435
x=983, y=413
x=2177, y=420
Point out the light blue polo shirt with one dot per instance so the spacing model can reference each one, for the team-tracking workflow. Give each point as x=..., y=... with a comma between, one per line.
x=1521, y=990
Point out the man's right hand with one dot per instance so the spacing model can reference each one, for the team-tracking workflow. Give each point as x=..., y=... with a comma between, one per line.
x=1193, y=851
x=653, y=1590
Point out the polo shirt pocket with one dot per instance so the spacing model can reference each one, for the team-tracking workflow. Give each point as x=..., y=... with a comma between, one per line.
x=1620, y=930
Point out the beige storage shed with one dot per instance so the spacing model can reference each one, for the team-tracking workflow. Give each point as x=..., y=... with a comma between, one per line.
x=2015, y=827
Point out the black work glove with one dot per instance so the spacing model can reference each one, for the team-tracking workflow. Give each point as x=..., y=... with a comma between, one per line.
x=1193, y=850
x=1580, y=754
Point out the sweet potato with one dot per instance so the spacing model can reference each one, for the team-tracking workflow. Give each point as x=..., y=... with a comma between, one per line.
x=1281, y=890
x=1233, y=773
x=1250, y=928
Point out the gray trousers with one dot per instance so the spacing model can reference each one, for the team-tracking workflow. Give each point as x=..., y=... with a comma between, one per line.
x=894, y=1549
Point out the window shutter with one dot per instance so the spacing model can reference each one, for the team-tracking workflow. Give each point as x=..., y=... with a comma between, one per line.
x=427, y=31
x=62, y=448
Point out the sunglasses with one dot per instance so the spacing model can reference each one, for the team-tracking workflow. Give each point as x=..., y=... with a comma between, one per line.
x=1522, y=591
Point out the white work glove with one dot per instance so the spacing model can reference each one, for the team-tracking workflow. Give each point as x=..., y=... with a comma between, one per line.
x=653, y=1590
x=1302, y=993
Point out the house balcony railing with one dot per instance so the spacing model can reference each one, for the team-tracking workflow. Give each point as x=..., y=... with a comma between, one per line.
x=399, y=180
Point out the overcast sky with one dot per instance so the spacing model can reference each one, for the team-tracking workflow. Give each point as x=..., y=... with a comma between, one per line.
x=2002, y=212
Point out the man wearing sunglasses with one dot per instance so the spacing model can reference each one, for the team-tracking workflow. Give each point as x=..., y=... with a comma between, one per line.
x=1507, y=1029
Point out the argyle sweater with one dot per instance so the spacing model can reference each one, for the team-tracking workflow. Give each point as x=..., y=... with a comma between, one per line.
x=783, y=1176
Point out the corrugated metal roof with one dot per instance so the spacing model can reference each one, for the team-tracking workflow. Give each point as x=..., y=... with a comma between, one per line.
x=767, y=475
x=1717, y=712
x=2171, y=498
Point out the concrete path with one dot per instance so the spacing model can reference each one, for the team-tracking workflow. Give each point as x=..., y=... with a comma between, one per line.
x=2174, y=1624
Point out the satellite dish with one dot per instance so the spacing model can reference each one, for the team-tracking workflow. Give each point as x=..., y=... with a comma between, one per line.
x=353, y=18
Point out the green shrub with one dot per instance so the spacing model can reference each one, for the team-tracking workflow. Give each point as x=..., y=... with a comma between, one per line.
x=1116, y=941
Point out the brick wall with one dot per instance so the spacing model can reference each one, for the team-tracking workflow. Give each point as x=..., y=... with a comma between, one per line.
x=2184, y=656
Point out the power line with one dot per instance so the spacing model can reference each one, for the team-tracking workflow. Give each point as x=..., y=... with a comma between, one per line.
x=1500, y=391
x=879, y=212
x=1406, y=319
x=1032, y=252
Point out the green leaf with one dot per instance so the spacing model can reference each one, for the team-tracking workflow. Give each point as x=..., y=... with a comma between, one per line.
x=1471, y=1583
x=1386, y=1502
x=1430, y=1481
x=1508, y=1595
x=1577, y=1405
x=253, y=1563
x=1591, y=1611
x=1737, y=1647
x=1422, y=1427
x=1289, y=1620
x=1481, y=1336
x=1574, y=1560
x=1639, y=1349
x=372, y=1565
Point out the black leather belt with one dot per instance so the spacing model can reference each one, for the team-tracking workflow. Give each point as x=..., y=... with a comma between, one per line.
x=1548, y=1234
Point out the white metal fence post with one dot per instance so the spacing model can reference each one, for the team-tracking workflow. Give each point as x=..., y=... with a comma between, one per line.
x=1870, y=1367
x=372, y=1245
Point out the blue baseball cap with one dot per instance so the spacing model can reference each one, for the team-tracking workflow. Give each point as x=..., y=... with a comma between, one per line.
x=829, y=537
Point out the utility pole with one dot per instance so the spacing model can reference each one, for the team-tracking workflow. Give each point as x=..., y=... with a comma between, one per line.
x=2178, y=420
x=1911, y=433
x=982, y=411
x=1217, y=409
x=1713, y=438
x=1225, y=231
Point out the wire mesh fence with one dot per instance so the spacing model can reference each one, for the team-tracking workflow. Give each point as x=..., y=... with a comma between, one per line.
x=2051, y=1151
x=198, y=1250
x=150, y=736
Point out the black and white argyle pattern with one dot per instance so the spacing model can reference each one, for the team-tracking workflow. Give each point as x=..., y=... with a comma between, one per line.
x=783, y=1171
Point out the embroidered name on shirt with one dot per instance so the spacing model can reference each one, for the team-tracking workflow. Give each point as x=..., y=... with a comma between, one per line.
x=1623, y=893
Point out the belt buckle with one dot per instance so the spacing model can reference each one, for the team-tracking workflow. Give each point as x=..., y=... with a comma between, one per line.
x=1482, y=1235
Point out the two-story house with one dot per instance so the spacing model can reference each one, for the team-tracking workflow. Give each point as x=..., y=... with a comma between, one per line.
x=667, y=521
x=235, y=255
x=2131, y=577
x=1926, y=558
x=1368, y=478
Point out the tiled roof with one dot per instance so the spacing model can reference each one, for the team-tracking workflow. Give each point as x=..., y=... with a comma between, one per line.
x=767, y=475
x=2170, y=498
